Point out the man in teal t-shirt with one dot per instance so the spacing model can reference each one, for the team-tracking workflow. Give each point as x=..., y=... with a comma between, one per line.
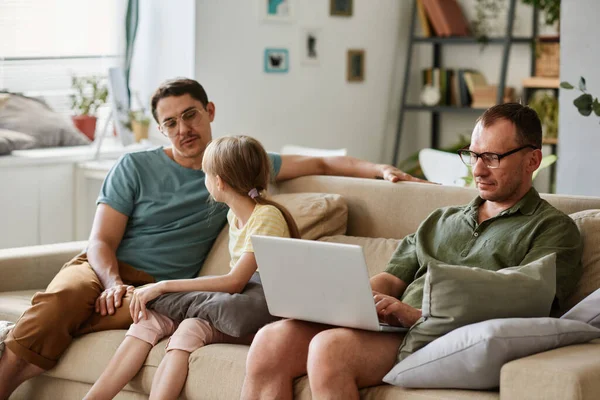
x=153, y=222
x=172, y=224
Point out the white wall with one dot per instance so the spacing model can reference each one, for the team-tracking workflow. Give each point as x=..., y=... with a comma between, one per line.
x=164, y=47
x=578, y=167
x=311, y=105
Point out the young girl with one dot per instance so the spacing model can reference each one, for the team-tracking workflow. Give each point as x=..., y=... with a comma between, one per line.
x=237, y=173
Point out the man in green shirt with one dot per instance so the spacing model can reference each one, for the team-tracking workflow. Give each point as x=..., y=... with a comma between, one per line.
x=153, y=222
x=507, y=225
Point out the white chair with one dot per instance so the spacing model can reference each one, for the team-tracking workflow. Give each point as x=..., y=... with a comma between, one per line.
x=309, y=151
x=443, y=167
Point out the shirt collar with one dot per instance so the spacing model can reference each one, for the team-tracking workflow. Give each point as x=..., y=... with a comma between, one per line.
x=526, y=206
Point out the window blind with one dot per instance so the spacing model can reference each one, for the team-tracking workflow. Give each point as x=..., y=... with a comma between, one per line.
x=45, y=42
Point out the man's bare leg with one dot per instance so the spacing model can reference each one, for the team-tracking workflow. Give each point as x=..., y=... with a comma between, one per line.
x=278, y=355
x=14, y=371
x=341, y=361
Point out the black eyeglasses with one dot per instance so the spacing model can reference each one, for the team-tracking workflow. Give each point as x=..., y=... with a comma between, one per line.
x=491, y=160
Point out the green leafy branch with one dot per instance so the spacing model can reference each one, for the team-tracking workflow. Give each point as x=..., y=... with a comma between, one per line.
x=90, y=93
x=586, y=103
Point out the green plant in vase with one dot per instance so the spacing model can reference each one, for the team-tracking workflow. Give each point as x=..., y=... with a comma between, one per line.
x=545, y=104
x=89, y=94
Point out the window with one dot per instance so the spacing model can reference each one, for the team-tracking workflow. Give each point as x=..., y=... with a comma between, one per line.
x=45, y=42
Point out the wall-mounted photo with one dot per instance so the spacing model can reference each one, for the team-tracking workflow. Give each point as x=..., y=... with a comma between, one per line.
x=310, y=46
x=355, y=69
x=341, y=8
x=275, y=10
x=277, y=60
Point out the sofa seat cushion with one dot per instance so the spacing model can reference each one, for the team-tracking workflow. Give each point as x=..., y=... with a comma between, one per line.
x=13, y=304
x=216, y=371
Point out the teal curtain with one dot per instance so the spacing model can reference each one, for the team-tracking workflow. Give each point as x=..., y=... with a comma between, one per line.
x=131, y=25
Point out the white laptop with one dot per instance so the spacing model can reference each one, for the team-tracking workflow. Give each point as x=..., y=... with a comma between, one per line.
x=318, y=282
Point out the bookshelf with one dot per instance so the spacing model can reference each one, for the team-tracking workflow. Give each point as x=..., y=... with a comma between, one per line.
x=437, y=42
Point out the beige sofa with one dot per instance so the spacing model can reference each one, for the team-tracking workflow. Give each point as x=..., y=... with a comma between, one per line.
x=376, y=209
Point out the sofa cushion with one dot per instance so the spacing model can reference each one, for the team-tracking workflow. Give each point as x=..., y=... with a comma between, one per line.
x=472, y=356
x=378, y=251
x=35, y=118
x=587, y=310
x=12, y=140
x=316, y=214
x=588, y=222
x=454, y=296
x=13, y=304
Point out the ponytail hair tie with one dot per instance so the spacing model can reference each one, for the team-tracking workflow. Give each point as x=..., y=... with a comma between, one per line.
x=253, y=193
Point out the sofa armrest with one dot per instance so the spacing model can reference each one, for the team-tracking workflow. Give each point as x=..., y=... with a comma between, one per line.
x=571, y=372
x=29, y=268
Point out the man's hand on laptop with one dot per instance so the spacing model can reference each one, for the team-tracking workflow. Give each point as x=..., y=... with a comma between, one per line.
x=394, y=312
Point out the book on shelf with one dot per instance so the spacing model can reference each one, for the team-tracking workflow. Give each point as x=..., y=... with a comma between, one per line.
x=485, y=96
x=474, y=79
x=441, y=79
x=446, y=17
x=463, y=87
x=541, y=82
x=425, y=27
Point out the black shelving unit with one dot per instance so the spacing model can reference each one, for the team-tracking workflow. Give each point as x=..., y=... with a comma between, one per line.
x=437, y=42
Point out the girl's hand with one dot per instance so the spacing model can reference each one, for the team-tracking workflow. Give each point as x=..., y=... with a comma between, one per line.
x=140, y=297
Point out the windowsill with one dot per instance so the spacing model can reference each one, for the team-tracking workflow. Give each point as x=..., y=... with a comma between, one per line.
x=111, y=149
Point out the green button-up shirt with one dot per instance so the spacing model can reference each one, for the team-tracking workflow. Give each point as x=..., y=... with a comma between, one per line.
x=527, y=231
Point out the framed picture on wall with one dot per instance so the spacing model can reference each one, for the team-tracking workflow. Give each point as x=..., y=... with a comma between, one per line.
x=275, y=10
x=355, y=68
x=341, y=8
x=277, y=60
x=310, y=46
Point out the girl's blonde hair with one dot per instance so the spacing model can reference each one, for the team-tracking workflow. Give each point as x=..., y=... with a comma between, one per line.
x=242, y=163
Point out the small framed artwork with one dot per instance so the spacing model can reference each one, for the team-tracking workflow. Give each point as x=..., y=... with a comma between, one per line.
x=341, y=8
x=310, y=46
x=275, y=10
x=277, y=60
x=355, y=69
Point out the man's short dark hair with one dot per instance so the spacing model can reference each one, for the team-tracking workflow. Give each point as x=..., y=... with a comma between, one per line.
x=178, y=87
x=525, y=119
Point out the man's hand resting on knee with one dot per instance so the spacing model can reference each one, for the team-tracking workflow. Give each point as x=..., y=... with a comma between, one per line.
x=394, y=312
x=112, y=298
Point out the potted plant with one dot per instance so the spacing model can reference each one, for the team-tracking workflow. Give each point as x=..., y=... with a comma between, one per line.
x=139, y=122
x=545, y=104
x=90, y=92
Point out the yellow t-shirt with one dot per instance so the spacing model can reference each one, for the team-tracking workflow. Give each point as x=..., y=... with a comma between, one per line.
x=265, y=220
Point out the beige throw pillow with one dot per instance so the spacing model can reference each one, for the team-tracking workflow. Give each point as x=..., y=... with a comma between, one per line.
x=588, y=222
x=316, y=214
x=378, y=251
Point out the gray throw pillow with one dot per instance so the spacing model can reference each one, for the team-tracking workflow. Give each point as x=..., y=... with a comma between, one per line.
x=11, y=140
x=454, y=296
x=236, y=315
x=33, y=117
x=587, y=310
x=472, y=356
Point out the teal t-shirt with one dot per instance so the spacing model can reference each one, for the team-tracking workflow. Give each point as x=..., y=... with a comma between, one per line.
x=172, y=222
